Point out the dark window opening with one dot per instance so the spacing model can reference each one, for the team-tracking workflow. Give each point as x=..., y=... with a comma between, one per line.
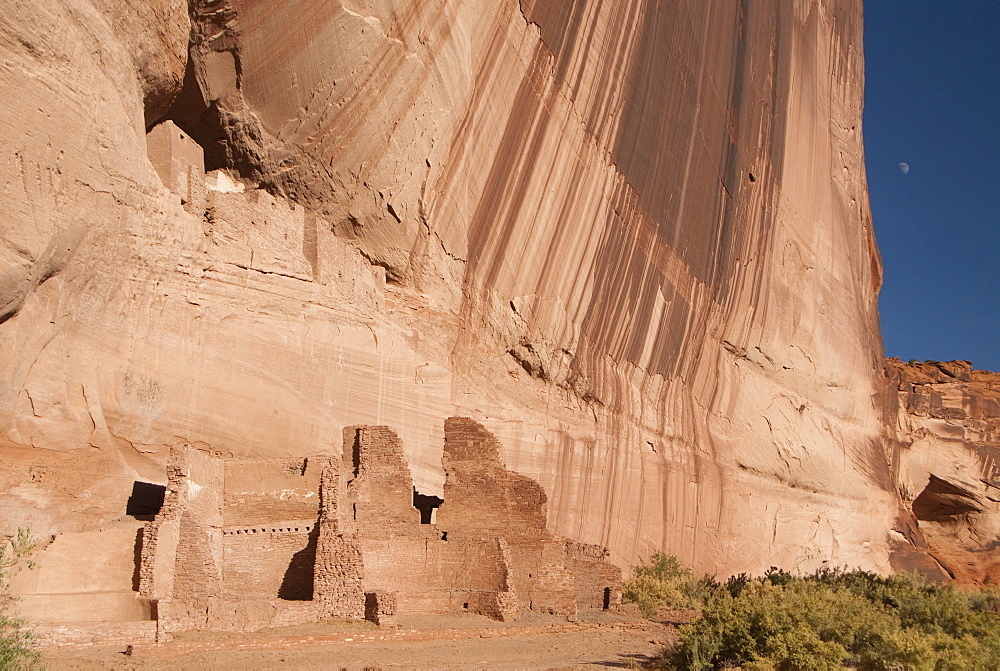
x=297, y=583
x=465, y=606
x=371, y=607
x=356, y=453
x=146, y=500
x=137, y=559
x=444, y=535
x=607, y=598
x=426, y=505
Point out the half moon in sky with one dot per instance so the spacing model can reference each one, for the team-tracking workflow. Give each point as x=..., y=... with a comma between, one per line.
x=904, y=168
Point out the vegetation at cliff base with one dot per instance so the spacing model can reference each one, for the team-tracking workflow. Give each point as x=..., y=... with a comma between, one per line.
x=831, y=619
x=15, y=641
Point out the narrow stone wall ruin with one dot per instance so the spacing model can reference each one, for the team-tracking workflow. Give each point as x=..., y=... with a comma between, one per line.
x=253, y=543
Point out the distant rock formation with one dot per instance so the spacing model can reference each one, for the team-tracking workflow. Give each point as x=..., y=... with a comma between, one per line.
x=949, y=422
x=631, y=239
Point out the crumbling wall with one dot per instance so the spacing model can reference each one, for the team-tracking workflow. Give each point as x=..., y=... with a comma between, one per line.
x=555, y=590
x=181, y=549
x=343, y=538
x=270, y=562
x=597, y=584
x=481, y=497
x=268, y=491
x=379, y=487
x=338, y=570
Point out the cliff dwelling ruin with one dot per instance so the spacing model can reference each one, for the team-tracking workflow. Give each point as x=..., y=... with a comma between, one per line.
x=243, y=543
x=632, y=238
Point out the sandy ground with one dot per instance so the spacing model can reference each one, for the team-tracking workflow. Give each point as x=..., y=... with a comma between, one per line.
x=425, y=642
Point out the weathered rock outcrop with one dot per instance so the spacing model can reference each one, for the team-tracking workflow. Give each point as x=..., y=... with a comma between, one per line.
x=949, y=422
x=631, y=238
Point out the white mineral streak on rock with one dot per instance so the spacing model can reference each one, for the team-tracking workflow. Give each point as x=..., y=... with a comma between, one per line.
x=631, y=238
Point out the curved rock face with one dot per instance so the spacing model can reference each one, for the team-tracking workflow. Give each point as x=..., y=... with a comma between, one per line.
x=949, y=422
x=631, y=238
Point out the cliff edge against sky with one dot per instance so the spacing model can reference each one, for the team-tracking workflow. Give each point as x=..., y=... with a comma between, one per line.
x=632, y=239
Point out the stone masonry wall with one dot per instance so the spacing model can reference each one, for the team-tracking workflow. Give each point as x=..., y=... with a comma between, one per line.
x=266, y=492
x=597, y=583
x=241, y=541
x=481, y=497
x=270, y=562
x=554, y=590
x=338, y=569
x=379, y=485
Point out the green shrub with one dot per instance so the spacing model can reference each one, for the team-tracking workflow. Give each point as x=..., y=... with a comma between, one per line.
x=15, y=640
x=827, y=620
x=665, y=583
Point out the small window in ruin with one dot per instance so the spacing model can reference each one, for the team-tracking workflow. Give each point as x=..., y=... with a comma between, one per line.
x=146, y=500
x=427, y=505
x=607, y=598
x=465, y=606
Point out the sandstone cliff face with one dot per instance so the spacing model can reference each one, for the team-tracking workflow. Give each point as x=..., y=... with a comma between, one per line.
x=631, y=238
x=949, y=422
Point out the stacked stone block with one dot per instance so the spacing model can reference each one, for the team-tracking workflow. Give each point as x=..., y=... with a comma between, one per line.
x=180, y=163
x=380, y=608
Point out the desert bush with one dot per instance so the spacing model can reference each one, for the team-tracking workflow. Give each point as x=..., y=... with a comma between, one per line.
x=831, y=619
x=666, y=583
x=15, y=640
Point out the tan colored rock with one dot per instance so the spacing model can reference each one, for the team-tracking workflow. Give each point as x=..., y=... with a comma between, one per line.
x=949, y=424
x=632, y=239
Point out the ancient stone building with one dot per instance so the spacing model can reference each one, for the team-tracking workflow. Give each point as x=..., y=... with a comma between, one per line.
x=243, y=543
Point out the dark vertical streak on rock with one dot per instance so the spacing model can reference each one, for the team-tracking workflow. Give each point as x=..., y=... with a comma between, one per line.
x=498, y=210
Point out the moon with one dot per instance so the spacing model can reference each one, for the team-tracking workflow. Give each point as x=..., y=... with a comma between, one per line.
x=904, y=168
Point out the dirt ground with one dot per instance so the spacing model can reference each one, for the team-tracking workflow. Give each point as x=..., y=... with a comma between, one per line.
x=421, y=642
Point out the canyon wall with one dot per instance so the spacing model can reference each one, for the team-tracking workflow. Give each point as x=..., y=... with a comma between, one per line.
x=630, y=238
x=949, y=474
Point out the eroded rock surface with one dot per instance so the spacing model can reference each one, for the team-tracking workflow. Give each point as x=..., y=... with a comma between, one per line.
x=949, y=421
x=632, y=239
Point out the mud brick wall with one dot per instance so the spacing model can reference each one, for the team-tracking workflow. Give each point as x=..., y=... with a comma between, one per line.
x=379, y=489
x=198, y=480
x=264, y=492
x=338, y=570
x=338, y=575
x=597, y=583
x=482, y=499
x=429, y=575
x=380, y=607
x=555, y=589
x=158, y=545
x=256, y=230
x=202, y=489
x=197, y=573
x=270, y=561
x=158, y=557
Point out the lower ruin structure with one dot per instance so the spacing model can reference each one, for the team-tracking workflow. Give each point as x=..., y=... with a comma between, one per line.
x=244, y=544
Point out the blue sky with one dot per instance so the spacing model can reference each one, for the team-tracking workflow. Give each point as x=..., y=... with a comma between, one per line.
x=932, y=100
